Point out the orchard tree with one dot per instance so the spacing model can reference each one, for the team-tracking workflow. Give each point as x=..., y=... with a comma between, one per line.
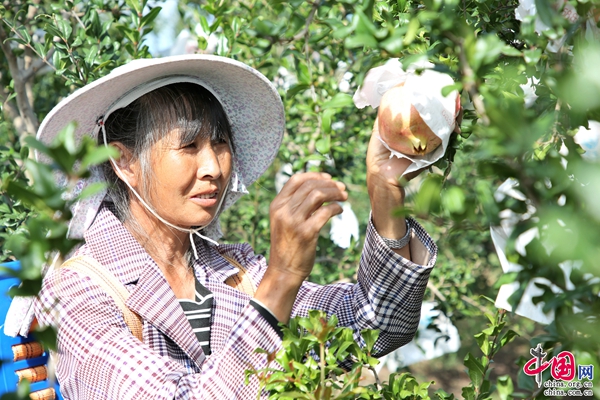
x=527, y=74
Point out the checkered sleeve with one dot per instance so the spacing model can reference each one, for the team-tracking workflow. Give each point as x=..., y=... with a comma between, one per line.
x=387, y=296
x=101, y=359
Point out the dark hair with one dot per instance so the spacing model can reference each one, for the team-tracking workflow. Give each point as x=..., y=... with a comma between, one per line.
x=191, y=109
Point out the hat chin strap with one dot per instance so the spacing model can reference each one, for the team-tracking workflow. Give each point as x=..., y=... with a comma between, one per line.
x=192, y=232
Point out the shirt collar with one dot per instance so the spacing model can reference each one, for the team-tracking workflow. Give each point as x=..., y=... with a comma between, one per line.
x=111, y=244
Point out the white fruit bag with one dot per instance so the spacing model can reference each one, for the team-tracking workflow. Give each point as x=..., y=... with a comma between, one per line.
x=438, y=112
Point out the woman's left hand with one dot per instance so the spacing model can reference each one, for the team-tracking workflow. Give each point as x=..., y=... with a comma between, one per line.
x=385, y=189
x=383, y=170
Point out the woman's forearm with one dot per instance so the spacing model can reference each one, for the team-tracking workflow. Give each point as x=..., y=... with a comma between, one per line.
x=385, y=199
x=277, y=291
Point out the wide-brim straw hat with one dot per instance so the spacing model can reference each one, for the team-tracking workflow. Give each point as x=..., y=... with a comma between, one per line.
x=250, y=100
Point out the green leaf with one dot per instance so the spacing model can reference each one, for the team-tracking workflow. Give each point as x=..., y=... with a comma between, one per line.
x=446, y=90
x=56, y=61
x=475, y=369
x=292, y=91
x=453, y=200
x=483, y=343
x=216, y=24
x=150, y=17
x=427, y=200
x=443, y=395
x=468, y=393
x=394, y=44
x=22, y=31
x=91, y=190
x=37, y=145
x=491, y=301
x=338, y=101
x=487, y=49
x=92, y=53
x=505, y=388
x=511, y=51
x=365, y=24
x=135, y=4
x=411, y=32
x=265, y=27
x=204, y=24
x=343, y=32
x=103, y=65
x=372, y=362
x=361, y=40
x=66, y=137
x=323, y=145
x=532, y=56
x=544, y=11
x=508, y=337
x=77, y=42
x=47, y=336
x=303, y=73
x=15, y=39
x=64, y=27
x=24, y=152
x=17, y=51
x=39, y=48
x=202, y=43
x=98, y=156
x=326, y=120
x=370, y=336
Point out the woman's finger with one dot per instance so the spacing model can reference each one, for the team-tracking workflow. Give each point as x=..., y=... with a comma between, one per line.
x=298, y=180
x=308, y=186
x=320, y=217
x=305, y=205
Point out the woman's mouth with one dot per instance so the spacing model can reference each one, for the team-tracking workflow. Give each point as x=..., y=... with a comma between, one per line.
x=207, y=196
x=206, y=199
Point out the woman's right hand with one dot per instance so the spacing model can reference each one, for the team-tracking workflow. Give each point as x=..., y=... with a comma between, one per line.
x=300, y=210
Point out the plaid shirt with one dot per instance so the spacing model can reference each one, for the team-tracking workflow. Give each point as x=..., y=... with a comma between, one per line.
x=98, y=357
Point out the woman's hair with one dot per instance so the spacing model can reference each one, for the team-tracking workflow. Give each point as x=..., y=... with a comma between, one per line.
x=189, y=108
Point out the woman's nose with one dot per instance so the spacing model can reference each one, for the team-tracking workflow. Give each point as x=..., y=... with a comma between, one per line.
x=209, y=164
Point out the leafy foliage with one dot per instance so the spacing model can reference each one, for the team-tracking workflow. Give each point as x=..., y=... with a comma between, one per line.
x=309, y=365
x=13, y=212
x=45, y=232
x=317, y=53
x=314, y=349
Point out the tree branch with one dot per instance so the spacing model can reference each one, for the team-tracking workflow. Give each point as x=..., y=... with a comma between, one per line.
x=25, y=109
x=435, y=291
x=309, y=19
x=37, y=64
x=10, y=111
x=474, y=303
x=470, y=83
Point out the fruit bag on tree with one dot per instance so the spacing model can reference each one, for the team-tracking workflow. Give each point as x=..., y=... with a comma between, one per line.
x=422, y=94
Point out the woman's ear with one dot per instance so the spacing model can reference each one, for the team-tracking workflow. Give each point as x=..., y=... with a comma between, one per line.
x=126, y=168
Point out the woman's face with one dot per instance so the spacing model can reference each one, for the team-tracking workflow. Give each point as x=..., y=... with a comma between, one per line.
x=188, y=181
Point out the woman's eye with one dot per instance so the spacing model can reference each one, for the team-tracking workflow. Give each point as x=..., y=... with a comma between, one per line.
x=220, y=140
x=189, y=146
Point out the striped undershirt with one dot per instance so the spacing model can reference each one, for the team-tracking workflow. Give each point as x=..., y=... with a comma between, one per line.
x=199, y=314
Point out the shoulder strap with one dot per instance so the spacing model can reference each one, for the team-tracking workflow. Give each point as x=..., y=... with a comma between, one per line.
x=111, y=285
x=240, y=281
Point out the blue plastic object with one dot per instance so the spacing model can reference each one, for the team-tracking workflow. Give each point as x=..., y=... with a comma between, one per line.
x=8, y=378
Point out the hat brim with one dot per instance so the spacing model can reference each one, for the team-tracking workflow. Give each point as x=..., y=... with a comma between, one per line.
x=249, y=99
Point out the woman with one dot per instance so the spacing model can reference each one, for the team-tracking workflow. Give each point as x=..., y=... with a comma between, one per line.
x=192, y=133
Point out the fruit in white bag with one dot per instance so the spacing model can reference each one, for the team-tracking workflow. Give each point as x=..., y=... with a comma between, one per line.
x=401, y=125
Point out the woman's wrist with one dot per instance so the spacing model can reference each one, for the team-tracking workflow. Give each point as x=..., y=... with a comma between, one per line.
x=385, y=200
x=395, y=244
x=277, y=291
